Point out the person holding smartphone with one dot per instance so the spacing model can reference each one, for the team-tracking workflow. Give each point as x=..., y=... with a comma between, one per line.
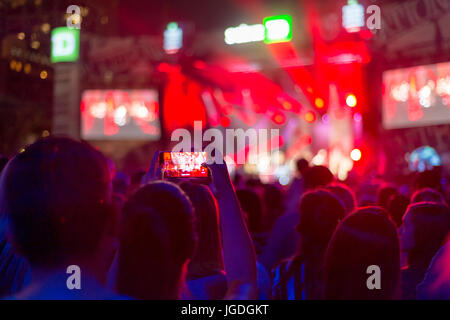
x=164, y=215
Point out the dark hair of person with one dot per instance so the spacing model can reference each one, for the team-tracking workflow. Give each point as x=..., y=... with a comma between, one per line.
x=207, y=259
x=427, y=195
x=302, y=165
x=431, y=227
x=135, y=181
x=56, y=194
x=156, y=240
x=274, y=202
x=429, y=179
x=318, y=176
x=121, y=183
x=137, y=177
x=320, y=212
x=273, y=197
x=364, y=238
x=345, y=194
x=397, y=206
x=251, y=203
x=384, y=194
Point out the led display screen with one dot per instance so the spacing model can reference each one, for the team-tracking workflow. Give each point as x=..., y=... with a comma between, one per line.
x=120, y=115
x=417, y=96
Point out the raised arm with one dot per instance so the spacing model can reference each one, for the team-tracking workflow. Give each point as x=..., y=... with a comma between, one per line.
x=154, y=171
x=238, y=251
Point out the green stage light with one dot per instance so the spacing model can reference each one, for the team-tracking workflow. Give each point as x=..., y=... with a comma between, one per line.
x=65, y=44
x=278, y=29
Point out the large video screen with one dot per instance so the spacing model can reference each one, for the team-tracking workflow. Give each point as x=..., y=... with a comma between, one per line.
x=417, y=96
x=120, y=115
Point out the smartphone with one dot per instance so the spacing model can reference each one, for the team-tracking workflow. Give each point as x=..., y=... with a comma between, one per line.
x=183, y=165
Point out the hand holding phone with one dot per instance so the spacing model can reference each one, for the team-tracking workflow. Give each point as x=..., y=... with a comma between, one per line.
x=184, y=165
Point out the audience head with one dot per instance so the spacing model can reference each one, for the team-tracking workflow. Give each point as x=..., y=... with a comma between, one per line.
x=251, y=204
x=425, y=227
x=207, y=258
x=273, y=197
x=384, y=194
x=58, y=198
x=429, y=179
x=253, y=183
x=345, y=194
x=121, y=183
x=318, y=176
x=366, y=195
x=397, y=206
x=157, y=239
x=135, y=181
x=427, y=195
x=365, y=238
x=302, y=166
x=237, y=178
x=274, y=203
x=320, y=213
x=57, y=195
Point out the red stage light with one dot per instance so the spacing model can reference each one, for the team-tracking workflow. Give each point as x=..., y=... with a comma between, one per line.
x=366, y=34
x=310, y=117
x=319, y=103
x=225, y=122
x=279, y=118
x=200, y=64
x=163, y=67
x=306, y=139
x=351, y=100
x=287, y=105
x=355, y=154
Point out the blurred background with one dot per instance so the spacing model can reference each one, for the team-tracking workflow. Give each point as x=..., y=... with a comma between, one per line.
x=360, y=86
